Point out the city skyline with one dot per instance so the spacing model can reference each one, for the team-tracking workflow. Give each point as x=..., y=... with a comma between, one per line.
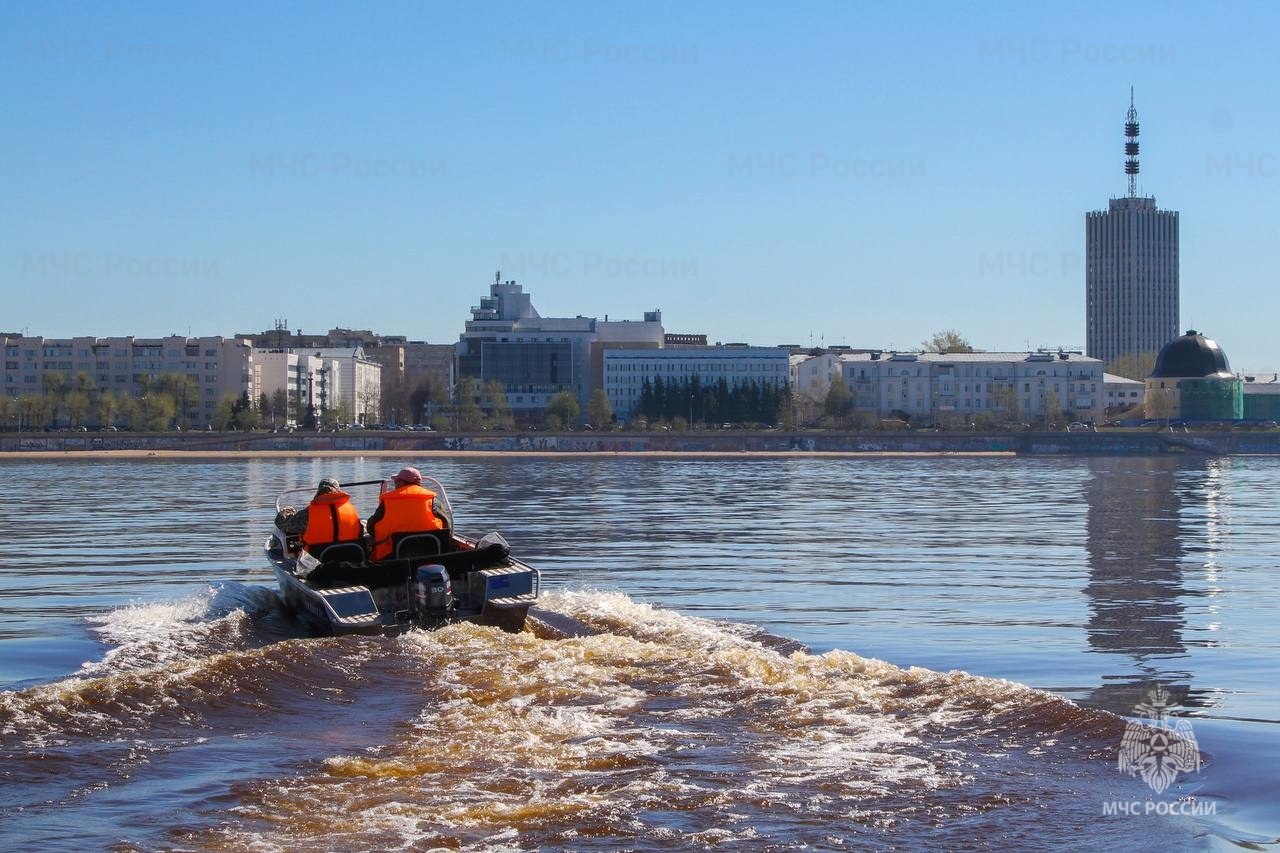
x=830, y=177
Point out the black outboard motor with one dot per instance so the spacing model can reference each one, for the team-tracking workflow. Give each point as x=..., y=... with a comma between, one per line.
x=433, y=591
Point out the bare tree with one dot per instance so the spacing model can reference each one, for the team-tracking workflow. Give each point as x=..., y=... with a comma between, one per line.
x=947, y=340
x=1133, y=365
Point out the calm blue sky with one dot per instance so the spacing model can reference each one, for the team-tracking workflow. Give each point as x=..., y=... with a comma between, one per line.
x=842, y=172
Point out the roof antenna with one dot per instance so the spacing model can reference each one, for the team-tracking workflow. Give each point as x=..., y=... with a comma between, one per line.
x=1131, y=146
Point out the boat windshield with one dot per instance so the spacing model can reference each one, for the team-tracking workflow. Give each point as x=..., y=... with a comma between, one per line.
x=301, y=496
x=431, y=484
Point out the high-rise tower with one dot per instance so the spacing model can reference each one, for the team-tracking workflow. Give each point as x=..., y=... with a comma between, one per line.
x=1131, y=268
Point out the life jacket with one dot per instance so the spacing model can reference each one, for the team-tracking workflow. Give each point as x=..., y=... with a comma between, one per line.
x=404, y=510
x=331, y=518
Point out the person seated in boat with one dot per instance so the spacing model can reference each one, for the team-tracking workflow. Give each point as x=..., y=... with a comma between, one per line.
x=330, y=518
x=407, y=508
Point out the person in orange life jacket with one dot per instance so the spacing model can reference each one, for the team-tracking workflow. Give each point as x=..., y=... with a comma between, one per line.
x=408, y=508
x=331, y=517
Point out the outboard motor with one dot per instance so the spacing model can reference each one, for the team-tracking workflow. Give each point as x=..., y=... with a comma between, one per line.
x=433, y=590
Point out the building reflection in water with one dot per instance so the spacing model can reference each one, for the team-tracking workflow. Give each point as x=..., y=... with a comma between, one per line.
x=1150, y=520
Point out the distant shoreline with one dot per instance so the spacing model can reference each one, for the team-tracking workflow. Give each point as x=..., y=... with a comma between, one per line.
x=710, y=444
x=64, y=455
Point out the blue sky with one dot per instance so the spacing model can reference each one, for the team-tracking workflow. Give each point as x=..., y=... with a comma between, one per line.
x=830, y=172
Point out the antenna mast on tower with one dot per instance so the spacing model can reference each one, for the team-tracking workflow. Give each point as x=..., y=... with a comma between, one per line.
x=1131, y=146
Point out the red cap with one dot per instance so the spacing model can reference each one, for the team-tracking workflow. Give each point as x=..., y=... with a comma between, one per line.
x=408, y=475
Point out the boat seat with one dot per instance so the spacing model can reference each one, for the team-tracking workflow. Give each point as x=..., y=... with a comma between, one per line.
x=427, y=543
x=348, y=552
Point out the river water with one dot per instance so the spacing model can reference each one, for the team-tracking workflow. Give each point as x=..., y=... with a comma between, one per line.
x=794, y=653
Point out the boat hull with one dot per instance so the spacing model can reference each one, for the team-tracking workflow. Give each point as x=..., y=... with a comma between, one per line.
x=495, y=592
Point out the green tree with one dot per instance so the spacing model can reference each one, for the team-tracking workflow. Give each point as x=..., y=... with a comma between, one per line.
x=838, y=404
x=495, y=397
x=31, y=410
x=126, y=411
x=182, y=390
x=104, y=408
x=947, y=340
x=77, y=405
x=427, y=395
x=225, y=416
x=55, y=390
x=645, y=407
x=469, y=414
x=599, y=412
x=156, y=412
x=278, y=406
x=564, y=408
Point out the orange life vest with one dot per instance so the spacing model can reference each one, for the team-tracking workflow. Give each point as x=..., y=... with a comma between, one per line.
x=404, y=510
x=331, y=518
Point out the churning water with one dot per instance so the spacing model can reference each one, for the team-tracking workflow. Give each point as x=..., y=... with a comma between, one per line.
x=788, y=653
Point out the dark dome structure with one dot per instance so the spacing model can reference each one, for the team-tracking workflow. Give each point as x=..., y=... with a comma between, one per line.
x=1192, y=356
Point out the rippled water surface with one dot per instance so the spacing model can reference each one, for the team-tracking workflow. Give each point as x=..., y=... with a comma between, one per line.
x=974, y=633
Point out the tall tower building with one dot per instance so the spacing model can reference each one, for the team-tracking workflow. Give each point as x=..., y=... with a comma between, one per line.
x=1131, y=268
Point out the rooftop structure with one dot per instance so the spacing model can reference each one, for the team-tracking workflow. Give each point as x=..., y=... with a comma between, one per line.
x=535, y=357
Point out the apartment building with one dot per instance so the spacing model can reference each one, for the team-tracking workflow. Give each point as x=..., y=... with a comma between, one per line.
x=216, y=367
x=627, y=370
x=1003, y=385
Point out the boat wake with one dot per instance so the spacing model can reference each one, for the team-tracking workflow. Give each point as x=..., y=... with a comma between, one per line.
x=654, y=728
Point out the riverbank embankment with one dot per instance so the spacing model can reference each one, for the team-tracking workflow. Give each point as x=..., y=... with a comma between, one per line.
x=703, y=443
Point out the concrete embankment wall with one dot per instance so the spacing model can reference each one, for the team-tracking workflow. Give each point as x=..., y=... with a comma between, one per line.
x=1117, y=442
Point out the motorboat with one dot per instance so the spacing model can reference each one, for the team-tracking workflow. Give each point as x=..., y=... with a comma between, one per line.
x=433, y=578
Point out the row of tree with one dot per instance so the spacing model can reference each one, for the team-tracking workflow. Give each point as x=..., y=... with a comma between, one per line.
x=166, y=401
x=717, y=402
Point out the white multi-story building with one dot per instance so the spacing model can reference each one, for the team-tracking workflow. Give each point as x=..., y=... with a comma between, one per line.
x=359, y=380
x=927, y=386
x=1120, y=392
x=215, y=367
x=627, y=370
x=811, y=374
x=307, y=380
